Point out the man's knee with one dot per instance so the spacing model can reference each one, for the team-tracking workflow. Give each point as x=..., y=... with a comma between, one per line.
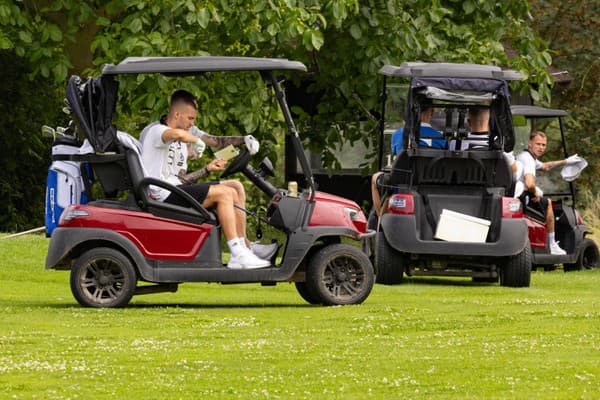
x=237, y=185
x=221, y=192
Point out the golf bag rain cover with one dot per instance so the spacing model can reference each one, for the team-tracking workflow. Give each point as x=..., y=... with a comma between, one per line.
x=93, y=103
x=64, y=184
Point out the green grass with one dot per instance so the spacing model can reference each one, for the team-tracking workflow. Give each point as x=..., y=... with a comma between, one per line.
x=443, y=339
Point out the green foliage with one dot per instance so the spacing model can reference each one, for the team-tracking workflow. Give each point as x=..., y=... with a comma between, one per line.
x=571, y=29
x=25, y=155
x=427, y=339
x=343, y=43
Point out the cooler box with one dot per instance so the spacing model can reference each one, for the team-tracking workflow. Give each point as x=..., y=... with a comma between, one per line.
x=457, y=227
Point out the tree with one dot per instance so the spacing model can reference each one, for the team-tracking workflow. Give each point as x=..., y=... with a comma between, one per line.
x=571, y=30
x=343, y=42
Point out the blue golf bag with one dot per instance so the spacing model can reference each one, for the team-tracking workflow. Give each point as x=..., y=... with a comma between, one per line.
x=66, y=181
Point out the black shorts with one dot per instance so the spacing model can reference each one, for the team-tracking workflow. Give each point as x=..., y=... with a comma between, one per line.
x=198, y=191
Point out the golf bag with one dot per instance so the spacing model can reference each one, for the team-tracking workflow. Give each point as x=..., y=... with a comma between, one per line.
x=66, y=181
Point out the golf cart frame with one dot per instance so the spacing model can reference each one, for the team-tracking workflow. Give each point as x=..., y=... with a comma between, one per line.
x=109, y=244
x=423, y=182
x=570, y=230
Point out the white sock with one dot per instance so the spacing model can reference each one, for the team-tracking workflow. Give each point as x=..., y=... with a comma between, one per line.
x=243, y=241
x=551, y=237
x=236, y=246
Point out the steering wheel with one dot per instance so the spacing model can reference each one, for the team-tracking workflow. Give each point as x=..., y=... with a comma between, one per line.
x=238, y=163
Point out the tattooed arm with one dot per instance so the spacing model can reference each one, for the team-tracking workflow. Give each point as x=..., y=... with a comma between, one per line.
x=214, y=165
x=219, y=142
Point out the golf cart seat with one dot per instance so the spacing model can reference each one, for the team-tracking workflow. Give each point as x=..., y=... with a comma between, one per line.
x=432, y=168
x=115, y=157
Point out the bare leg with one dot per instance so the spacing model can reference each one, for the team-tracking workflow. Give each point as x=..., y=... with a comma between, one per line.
x=223, y=197
x=240, y=201
x=550, y=217
x=375, y=193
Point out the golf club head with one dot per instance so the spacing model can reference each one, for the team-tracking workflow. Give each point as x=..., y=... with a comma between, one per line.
x=48, y=131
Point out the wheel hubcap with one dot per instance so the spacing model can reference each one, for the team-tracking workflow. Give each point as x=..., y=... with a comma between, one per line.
x=102, y=280
x=343, y=277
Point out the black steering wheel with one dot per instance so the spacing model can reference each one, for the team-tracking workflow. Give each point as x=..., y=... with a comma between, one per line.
x=237, y=164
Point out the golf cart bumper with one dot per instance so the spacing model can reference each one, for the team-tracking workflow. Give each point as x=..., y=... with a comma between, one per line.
x=401, y=233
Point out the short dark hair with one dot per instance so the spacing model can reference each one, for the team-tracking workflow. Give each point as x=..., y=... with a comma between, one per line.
x=183, y=96
x=479, y=114
x=426, y=104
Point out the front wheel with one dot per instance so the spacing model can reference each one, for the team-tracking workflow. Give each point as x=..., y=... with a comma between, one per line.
x=103, y=278
x=302, y=289
x=516, y=271
x=588, y=258
x=339, y=274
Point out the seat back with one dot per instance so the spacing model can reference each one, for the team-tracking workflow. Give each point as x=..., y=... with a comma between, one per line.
x=431, y=167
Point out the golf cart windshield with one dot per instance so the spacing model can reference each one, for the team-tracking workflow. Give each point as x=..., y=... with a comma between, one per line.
x=453, y=97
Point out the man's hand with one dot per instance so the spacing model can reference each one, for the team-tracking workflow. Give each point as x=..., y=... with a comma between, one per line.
x=198, y=148
x=574, y=159
x=251, y=144
x=216, y=165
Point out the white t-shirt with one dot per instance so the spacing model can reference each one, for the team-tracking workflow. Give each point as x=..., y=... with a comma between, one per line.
x=163, y=161
x=530, y=165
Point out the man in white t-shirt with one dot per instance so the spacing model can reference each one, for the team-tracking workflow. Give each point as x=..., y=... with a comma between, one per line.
x=164, y=153
x=536, y=147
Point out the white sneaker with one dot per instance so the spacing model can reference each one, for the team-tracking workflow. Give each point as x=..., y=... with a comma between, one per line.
x=556, y=250
x=264, y=251
x=247, y=260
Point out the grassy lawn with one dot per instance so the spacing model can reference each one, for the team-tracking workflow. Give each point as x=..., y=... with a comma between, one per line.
x=443, y=339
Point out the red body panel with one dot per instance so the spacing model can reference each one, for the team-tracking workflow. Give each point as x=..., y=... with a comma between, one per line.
x=537, y=233
x=329, y=211
x=157, y=238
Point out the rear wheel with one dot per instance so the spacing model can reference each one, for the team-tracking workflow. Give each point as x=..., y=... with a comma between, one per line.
x=372, y=220
x=390, y=263
x=516, y=271
x=588, y=258
x=103, y=278
x=339, y=274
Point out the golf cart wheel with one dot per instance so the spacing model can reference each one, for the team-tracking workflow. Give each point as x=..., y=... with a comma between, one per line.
x=339, y=274
x=516, y=271
x=302, y=289
x=588, y=258
x=390, y=264
x=372, y=220
x=103, y=278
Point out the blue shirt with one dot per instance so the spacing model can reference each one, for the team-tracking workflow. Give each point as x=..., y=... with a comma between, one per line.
x=426, y=130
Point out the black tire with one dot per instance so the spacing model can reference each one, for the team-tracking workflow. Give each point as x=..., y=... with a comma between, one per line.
x=389, y=263
x=339, y=274
x=103, y=278
x=302, y=289
x=588, y=258
x=516, y=271
x=372, y=220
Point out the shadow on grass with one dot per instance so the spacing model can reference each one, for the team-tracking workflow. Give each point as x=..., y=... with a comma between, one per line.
x=187, y=305
x=446, y=282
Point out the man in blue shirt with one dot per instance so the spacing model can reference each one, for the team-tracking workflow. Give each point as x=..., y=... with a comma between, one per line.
x=397, y=140
x=426, y=130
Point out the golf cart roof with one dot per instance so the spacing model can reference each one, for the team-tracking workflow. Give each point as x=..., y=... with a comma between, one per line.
x=198, y=64
x=449, y=70
x=537, y=112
